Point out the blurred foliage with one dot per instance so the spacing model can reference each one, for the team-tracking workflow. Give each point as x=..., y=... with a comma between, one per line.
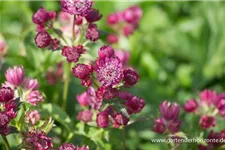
x=179, y=50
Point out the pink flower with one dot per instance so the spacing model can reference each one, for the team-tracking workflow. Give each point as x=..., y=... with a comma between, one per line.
x=31, y=84
x=132, y=15
x=83, y=99
x=134, y=105
x=81, y=71
x=86, y=82
x=128, y=30
x=67, y=146
x=125, y=95
x=220, y=104
x=43, y=39
x=105, y=51
x=159, y=126
x=119, y=119
x=113, y=18
x=191, y=105
x=73, y=53
x=92, y=33
x=33, y=117
x=130, y=78
x=106, y=93
x=85, y=116
x=93, y=100
x=15, y=75
x=93, y=16
x=54, y=44
x=208, y=97
x=123, y=55
x=112, y=39
x=6, y=94
x=11, y=108
x=35, y=97
x=207, y=121
x=169, y=111
x=36, y=140
x=102, y=119
x=79, y=20
x=42, y=16
x=64, y=17
x=109, y=71
x=76, y=7
x=174, y=126
x=4, y=121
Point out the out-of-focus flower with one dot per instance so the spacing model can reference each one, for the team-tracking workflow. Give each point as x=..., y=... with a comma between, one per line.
x=208, y=97
x=3, y=48
x=79, y=20
x=220, y=104
x=92, y=33
x=174, y=126
x=93, y=16
x=73, y=53
x=15, y=75
x=159, y=126
x=123, y=55
x=54, y=44
x=43, y=39
x=128, y=30
x=64, y=17
x=169, y=111
x=81, y=71
x=4, y=120
x=109, y=71
x=35, y=97
x=33, y=117
x=42, y=16
x=119, y=119
x=207, y=121
x=93, y=100
x=67, y=146
x=191, y=105
x=130, y=78
x=31, y=84
x=36, y=140
x=105, y=51
x=106, y=93
x=85, y=116
x=112, y=39
x=76, y=7
x=83, y=99
x=102, y=119
x=132, y=15
x=6, y=94
x=113, y=18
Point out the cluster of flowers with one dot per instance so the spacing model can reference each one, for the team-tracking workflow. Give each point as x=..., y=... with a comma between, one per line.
x=210, y=105
x=168, y=122
x=124, y=22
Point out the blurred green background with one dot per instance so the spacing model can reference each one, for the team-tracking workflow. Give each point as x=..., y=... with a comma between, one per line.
x=179, y=50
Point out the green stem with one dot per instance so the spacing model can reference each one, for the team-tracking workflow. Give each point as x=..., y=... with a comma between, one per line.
x=61, y=36
x=73, y=29
x=66, y=86
x=123, y=138
x=6, y=142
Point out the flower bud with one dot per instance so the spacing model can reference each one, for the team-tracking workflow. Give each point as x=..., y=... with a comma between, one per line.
x=93, y=16
x=174, y=126
x=208, y=97
x=112, y=39
x=169, y=111
x=207, y=121
x=43, y=39
x=130, y=78
x=159, y=126
x=81, y=71
x=92, y=33
x=102, y=119
x=15, y=75
x=105, y=51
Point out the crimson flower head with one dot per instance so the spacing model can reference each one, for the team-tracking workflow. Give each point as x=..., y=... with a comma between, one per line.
x=6, y=94
x=106, y=92
x=159, y=126
x=102, y=119
x=4, y=121
x=77, y=7
x=73, y=53
x=42, y=16
x=31, y=84
x=109, y=71
x=174, y=126
x=130, y=78
x=134, y=105
x=120, y=119
x=85, y=116
x=113, y=18
x=43, y=39
x=93, y=16
x=128, y=30
x=220, y=104
x=207, y=121
x=169, y=111
x=81, y=71
x=191, y=105
x=92, y=33
x=37, y=140
x=105, y=51
x=15, y=75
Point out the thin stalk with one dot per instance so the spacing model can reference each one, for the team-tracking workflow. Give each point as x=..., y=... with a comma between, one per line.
x=61, y=36
x=6, y=142
x=73, y=29
x=123, y=138
x=66, y=85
